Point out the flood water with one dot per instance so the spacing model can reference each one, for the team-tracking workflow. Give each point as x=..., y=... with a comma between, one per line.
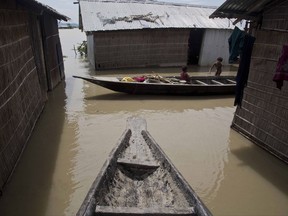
x=82, y=122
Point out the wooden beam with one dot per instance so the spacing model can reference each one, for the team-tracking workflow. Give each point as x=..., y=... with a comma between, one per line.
x=138, y=164
x=134, y=211
x=200, y=82
x=217, y=82
x=232, y=81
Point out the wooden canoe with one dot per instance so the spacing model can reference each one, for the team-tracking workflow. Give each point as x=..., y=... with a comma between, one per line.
x=204, y=85
x=139, y=179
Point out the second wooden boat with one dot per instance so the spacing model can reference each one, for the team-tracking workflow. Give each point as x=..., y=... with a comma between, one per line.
x=139, y=179
x=204, y=85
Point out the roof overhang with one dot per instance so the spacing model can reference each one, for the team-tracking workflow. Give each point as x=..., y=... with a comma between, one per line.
x=243, y=9
x=39, y=8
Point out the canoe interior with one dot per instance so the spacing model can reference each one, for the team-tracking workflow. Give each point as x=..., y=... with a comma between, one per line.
x=204, y=85
x=139, y=179
x=197, y=80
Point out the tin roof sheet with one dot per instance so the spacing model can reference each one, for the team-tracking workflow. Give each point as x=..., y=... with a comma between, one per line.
x=244, y=9
x=109, y=16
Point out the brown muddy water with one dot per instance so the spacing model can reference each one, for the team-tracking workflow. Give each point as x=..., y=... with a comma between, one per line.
x=82, y=122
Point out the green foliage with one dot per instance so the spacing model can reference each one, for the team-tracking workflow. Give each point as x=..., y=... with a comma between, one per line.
x=82, y=48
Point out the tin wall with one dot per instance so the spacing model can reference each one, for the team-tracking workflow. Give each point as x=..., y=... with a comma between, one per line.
x=214, y=45
x=91, y=49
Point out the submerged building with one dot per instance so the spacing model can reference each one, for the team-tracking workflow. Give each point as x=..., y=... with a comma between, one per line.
x=31, y=64
x=262, y=108
x=129, y=33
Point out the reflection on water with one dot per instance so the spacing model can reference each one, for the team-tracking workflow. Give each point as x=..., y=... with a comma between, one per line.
x=82, y=122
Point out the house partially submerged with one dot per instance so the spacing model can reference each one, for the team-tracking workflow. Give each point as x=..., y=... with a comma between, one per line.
x=262, y=115
x=148, y=33
x=31, y=64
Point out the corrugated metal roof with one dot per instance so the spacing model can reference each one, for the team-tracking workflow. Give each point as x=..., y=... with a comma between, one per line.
x=244, y=9
x=109, y=16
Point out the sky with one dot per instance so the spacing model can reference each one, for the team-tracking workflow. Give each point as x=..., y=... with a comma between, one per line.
x=67, y=8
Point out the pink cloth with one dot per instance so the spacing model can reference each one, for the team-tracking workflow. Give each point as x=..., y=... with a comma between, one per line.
x=281, y=73
x=139, y=79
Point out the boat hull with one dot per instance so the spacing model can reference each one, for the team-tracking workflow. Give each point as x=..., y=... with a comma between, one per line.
x=139, y=179
x=139, y=88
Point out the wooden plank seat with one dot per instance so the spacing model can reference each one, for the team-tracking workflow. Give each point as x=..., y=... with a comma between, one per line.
x=135, y=169
x=231, y=81
x=200, y=82
x=217, y=82
x=135, y=211
x=137, y=164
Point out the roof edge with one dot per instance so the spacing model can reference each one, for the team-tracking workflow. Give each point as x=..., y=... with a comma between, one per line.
x=39, y=6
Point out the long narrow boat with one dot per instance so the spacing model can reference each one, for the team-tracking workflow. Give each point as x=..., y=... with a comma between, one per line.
x=200, y=85
x=139, y=179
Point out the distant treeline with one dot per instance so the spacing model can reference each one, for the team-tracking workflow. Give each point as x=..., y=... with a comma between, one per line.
x=67, y=25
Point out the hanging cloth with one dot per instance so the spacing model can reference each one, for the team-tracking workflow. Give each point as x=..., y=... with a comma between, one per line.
x=236, y=42
x=281, y=73
x=243, y=70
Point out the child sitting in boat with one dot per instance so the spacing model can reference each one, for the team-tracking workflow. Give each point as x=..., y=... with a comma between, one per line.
x=218, y=66
x=184, y=75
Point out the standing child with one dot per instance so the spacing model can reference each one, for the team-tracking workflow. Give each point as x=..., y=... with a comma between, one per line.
x=218, y=66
